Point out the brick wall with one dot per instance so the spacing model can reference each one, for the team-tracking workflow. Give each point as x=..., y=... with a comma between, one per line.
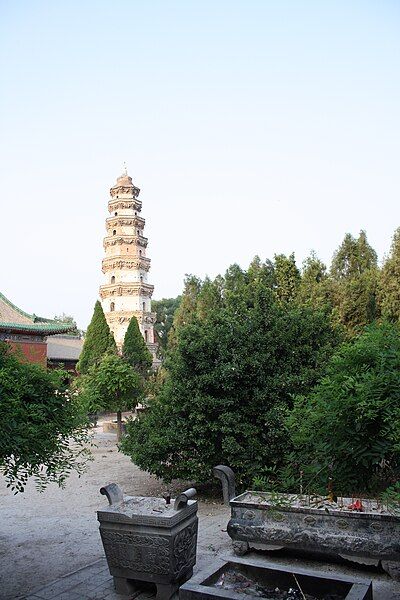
x=32, y=352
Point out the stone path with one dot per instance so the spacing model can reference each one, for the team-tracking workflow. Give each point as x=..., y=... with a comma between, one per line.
x=44, y=536
x=94, y=582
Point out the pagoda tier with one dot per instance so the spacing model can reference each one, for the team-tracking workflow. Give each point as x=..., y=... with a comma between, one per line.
x=125, y=291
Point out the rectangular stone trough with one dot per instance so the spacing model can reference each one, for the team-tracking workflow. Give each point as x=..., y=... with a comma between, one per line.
x=237, y=579
x=273, y=521
x=149, y=540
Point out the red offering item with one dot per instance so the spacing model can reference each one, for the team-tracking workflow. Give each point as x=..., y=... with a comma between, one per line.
x=357, y=505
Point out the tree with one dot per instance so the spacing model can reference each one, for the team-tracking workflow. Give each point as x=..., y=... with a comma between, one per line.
x=353, y=257
x=315, y=289
x=187, y=306
x=135, y=350
x=348, y=427
x=389, y=284
x=112, y=385
x=354, y=276
x=287, y=277
x=165, y=310
x=63, y=318
x=98, y=341
x=44, y=432
x=355, y=301
x=229, y=381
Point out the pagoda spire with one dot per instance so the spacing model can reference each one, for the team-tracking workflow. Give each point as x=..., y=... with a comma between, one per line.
x=125, y=291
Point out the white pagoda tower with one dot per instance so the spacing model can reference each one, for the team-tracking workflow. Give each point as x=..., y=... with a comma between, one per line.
x=125, y=291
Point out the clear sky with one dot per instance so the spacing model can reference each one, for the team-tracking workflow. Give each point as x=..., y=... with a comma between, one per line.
x=251, y=127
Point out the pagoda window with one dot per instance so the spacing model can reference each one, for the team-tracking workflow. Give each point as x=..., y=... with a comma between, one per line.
x=114, y=232
x=146, y=335
x=144, y=306
x=140, y=253
x=116, y=214
x=112, y=306
x=113, y=279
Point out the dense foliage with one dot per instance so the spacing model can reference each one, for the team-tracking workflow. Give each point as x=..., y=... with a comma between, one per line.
x=390, y=282
x=349, y=426
x=98, y=341
x=134, y=349
x=43, y=426
x=238, y=355
x=165, y=310
x=243, y=346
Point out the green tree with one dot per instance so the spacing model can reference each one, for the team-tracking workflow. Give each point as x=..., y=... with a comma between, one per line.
x=287, y=277
x=44, y=433
x=134, y=349
x=187, y=306
x=353, y=257
x=389, y=284
x=348, y=427
x=355, y=275
x=112, y=385
x=229, y=381
x=315, y=289
x=355, y=301
x=63, y=318
x=165, y=310
x=98, y=341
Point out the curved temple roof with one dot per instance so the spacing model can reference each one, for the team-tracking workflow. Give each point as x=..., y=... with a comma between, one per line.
x=14, y=319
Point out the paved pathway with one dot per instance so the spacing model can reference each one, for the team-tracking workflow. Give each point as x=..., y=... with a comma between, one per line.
x=94, y=582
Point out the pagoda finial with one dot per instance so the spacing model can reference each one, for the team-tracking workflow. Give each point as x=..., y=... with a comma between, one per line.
x=125, y=169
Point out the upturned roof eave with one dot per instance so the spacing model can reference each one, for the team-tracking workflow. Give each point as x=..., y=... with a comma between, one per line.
x=38, y=328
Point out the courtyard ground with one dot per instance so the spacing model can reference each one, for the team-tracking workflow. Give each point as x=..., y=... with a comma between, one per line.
x=45, y=536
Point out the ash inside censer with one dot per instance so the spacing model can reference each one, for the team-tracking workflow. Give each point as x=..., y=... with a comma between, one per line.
x=240, y=584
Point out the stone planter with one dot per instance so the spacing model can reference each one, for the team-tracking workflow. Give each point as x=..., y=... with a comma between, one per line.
x=273, y=521
x=148, y=539
x=236, y=579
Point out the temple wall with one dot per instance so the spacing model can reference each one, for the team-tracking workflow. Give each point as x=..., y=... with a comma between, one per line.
x=31, y=352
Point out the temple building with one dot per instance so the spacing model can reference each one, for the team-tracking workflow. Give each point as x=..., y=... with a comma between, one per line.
x=27, y=333
x=126, y=291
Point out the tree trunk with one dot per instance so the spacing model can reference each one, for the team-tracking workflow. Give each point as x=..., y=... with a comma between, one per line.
x=119, y=426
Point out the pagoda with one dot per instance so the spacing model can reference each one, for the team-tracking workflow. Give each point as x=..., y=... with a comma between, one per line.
x=126, y=292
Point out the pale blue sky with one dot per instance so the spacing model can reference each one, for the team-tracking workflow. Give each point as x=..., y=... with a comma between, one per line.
x=250, y=127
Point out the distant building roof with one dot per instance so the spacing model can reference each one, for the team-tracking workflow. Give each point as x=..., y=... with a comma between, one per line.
x=64, y=347
x=16, y=320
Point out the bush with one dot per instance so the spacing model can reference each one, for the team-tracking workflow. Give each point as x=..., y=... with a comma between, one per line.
x=349, y=426
x=43, y=426
x=238, y=357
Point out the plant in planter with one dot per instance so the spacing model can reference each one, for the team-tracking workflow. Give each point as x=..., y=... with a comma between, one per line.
x=363, y=532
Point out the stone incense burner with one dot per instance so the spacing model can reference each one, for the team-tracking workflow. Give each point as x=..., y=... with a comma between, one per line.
x=149, y=540
x=262, y=520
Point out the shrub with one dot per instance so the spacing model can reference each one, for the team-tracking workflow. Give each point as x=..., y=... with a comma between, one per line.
x=238, y=357
x=43, y=427
x=349, y=426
